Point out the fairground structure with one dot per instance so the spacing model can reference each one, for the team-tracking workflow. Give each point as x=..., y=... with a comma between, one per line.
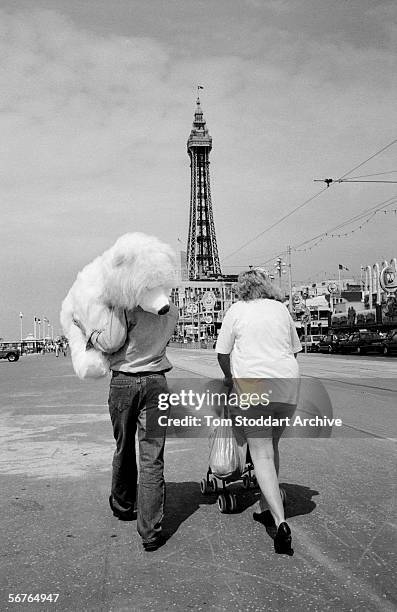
x=345, y=307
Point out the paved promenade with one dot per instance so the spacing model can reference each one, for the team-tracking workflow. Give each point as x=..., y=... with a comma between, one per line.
x=59, y=536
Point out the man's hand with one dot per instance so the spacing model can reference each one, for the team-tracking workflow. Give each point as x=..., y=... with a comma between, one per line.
x=79, y=324
x=91, y=316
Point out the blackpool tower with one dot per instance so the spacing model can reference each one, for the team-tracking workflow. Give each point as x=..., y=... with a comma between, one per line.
x=202, y=250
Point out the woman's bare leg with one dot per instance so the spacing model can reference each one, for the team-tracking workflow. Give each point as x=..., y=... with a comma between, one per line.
x=277, y=432
x=262, y=454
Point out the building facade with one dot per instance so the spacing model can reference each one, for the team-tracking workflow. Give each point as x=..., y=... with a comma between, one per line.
x=379, y=292
x=202, y=306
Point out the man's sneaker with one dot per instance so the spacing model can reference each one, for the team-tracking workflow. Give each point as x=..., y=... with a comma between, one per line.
x=154, y=544
x=129, y=515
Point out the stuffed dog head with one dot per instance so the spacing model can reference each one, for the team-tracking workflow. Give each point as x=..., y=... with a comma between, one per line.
x=139, y=270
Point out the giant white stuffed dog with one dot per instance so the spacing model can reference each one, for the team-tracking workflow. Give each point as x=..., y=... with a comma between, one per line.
x=138, y=270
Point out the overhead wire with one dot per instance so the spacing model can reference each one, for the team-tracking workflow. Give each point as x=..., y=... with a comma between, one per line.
x=369, y=158
x=353, y=180
x=370, y=213
x=376, y=174
x=316, y=195
x=267, y=229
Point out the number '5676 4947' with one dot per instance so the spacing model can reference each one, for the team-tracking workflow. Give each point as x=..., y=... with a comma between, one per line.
x=32, y=597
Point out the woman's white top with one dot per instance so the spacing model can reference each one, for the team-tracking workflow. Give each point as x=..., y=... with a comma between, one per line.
x=261, y=337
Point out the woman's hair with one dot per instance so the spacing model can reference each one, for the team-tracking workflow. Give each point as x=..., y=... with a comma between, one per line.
x=254, y=284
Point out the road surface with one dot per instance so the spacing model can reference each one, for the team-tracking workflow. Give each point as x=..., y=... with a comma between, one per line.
x=58, y=535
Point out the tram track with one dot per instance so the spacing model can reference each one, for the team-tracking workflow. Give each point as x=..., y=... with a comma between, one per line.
x=323, y=380
x=351, y=383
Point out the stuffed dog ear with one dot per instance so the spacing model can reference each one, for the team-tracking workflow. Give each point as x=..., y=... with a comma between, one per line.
x=118, y=260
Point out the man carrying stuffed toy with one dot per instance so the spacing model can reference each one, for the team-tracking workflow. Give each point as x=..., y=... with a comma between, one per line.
x=135, y=342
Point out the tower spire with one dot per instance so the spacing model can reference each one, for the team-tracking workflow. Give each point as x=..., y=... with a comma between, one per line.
x=202, y=250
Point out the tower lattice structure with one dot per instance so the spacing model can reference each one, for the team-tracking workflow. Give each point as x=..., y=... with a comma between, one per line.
x=202, y=250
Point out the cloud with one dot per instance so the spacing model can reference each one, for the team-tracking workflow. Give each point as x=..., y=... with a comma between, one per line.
x=74, y=98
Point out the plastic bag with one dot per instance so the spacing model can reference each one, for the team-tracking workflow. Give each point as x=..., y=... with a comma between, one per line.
x=227, y=454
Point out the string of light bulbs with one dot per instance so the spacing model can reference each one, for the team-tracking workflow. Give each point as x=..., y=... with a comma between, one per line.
x=345, y=234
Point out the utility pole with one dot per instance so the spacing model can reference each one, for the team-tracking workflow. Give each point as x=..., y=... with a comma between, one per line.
x=289, y=278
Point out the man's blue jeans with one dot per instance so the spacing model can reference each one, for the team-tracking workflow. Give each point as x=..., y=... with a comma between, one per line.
x=133, y=405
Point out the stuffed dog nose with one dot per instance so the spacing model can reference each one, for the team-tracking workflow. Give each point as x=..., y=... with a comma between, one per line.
x=164, y=309
x=155, y=300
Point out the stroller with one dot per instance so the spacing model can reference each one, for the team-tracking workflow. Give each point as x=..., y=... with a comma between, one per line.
x=214, y=484
x=237, y=466
x=233, y=463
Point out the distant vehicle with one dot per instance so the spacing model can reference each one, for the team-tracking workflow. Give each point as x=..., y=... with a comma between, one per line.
x=311, y=342
x=390, y=343
x=10, y=351
x=362, y=342
x=329, y=344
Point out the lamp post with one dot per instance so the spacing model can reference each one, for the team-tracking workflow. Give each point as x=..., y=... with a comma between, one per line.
x=280, y=265
x=45, y=321
x=21, y=324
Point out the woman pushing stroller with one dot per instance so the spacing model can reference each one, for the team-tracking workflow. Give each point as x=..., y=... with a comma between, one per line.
x=257, y=348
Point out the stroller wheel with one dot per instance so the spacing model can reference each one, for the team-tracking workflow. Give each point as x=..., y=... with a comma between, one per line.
x=222, y=503
x=213, y=485
x=232, y=502
x=204, y=486
x=246, y=481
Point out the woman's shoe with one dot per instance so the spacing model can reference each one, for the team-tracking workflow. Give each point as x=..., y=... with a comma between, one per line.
x=283, y=539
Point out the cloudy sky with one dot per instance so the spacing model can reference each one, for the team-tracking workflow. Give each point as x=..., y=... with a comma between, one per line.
x=97, y=101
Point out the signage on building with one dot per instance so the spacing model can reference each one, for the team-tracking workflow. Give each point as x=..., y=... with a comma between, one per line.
x=192, y=308
x=389, y=309
x=388, y=279
x=306, y=318
x=297, y=302
x=208, y=300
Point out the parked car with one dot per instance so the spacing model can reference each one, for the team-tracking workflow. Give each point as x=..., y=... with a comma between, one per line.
x=362, y=342
x=311, y=342
x=329, y=344
x=10, y=351
x=390, y=343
